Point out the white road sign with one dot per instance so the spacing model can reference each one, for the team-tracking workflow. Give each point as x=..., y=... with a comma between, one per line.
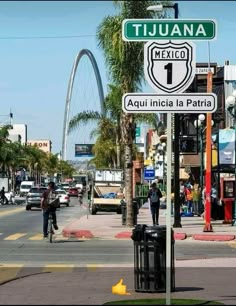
x=169, y=66
x=172, y=103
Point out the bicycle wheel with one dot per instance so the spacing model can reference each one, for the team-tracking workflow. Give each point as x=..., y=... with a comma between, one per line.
x=50, y=229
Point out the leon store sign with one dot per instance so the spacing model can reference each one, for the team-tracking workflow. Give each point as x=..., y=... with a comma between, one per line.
x=44, y=145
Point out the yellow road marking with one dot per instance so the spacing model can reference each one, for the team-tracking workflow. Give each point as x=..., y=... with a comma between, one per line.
x=94, y=267
x=15, y=236
x=58, y=268
x=12, y=211
x=36, y=237
x=232, y=244
x=9, y=271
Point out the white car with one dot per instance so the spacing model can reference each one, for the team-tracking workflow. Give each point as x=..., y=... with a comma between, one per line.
x=63, y=197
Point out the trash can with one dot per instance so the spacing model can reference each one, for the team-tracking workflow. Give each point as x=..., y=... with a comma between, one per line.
x=124, y=212
x=150, y=258
x=135, y=212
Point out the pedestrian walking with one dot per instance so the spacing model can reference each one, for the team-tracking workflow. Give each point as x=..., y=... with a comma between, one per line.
x=154, y=196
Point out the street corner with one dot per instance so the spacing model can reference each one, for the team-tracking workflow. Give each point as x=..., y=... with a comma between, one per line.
x=180, y=236
x=213, y=237
x=124, y=235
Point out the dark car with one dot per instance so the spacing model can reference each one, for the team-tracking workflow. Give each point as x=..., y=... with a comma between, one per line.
x=33, y=198
x=73, y=192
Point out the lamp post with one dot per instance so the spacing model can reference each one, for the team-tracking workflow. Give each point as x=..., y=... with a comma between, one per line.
x=161, y=148
x=177, y=217
x=199, y=123
x=231, y=108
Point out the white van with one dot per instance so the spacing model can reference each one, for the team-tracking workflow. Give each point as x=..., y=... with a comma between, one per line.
x=25, y=187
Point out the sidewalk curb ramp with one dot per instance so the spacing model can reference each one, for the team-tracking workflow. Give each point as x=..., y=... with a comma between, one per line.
x=213, y=237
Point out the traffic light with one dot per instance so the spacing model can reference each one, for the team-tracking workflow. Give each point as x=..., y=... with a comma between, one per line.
x=187, y=145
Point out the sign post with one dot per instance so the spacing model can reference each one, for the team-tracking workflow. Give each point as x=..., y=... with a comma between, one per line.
x=169, y=67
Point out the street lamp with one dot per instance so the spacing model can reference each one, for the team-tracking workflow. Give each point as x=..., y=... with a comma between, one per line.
x=231, y=108
x=200, y=123
x=161, y=148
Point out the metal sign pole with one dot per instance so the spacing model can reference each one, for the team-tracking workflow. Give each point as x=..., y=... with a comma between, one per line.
x=168, y=215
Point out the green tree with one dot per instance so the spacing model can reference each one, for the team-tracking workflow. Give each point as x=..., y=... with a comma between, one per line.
x=125, y=64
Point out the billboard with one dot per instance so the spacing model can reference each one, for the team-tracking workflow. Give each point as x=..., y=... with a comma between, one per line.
x=83, y=150
x=226, y=146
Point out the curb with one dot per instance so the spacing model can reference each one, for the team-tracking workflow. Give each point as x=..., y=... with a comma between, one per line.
x=123, y=235
x=180, y=236
x=213, y=237
x=72, y=233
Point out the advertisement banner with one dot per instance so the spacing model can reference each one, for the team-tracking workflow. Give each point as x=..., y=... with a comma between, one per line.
x=83, y=150
x=227, y=147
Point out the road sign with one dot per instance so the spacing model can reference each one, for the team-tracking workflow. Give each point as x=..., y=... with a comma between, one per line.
x=149, y=174
x=169, y=66
x=175, y=103
x=156, y=29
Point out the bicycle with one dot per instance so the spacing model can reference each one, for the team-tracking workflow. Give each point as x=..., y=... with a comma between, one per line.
x=50, y=227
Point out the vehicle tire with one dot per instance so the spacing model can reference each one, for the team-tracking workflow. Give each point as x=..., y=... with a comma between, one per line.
x=28, y=207
x=94, y=210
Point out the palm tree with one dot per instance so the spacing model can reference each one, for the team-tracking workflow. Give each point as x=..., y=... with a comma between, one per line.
x=125, y=64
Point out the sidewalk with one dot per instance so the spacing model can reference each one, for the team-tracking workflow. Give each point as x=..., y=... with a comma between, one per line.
x=109, y=226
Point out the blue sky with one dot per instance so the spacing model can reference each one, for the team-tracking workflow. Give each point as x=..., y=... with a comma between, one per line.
x=34, y=73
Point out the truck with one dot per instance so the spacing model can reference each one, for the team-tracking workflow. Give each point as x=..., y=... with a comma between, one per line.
x=106, y=191
x=25, y=187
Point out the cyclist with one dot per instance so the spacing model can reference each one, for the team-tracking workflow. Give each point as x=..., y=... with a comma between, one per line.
x=2, y=195
x=49, y=198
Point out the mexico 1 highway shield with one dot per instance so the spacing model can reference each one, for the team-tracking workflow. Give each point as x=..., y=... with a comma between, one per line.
x=169, y=66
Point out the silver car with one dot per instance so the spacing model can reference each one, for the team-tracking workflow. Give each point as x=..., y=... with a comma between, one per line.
x=33, y=198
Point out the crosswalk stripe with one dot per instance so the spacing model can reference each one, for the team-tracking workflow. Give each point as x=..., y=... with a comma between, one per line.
x=9, y=271
x=36, y=237
x=15, y=236
x=58, y=268
x=12, y=211
x=94, y=267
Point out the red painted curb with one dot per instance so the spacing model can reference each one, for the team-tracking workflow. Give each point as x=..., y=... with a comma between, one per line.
x=213, y=237
x=126, y=235
x=180, y=236
x=77, y=233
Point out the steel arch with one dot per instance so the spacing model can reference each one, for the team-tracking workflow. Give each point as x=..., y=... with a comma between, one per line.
x=69, y=93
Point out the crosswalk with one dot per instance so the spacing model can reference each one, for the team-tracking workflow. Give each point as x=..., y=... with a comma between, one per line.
x=12, y=271
x=28, y=236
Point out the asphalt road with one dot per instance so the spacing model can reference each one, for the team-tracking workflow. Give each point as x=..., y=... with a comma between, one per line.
x=19, y=242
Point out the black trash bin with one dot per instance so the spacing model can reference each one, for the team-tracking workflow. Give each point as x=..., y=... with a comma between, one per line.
x=150, y=258
x=135, y=212
x=123, y=211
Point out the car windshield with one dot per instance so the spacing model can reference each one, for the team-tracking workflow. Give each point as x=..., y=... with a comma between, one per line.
x=37, y=190
x=25, y=186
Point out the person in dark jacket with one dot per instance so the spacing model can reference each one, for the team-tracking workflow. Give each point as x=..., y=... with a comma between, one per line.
x=48, y=198
x=154, y=196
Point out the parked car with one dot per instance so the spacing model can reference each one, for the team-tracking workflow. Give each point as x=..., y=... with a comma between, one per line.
x=33, y=198
x=73, y=192
x=63, y=197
